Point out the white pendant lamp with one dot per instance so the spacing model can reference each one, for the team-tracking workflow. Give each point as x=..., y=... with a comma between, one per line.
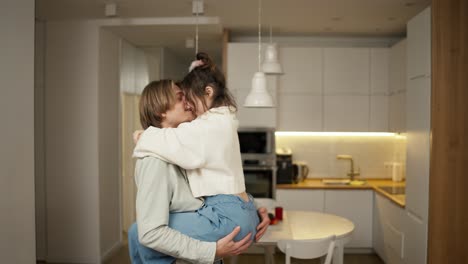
x=258, y=95
x=271, y=64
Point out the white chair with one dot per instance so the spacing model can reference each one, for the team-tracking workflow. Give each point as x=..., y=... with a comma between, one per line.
x=308, y=248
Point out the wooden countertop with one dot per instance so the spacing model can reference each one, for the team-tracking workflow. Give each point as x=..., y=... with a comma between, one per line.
x=371, y=184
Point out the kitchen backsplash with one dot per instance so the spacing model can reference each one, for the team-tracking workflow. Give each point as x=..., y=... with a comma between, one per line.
x=370, y=154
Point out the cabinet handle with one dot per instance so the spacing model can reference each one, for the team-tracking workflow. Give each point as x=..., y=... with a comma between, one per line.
x=418, y=76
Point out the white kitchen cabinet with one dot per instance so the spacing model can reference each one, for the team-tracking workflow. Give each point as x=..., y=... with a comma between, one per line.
x=415, y=246
x=397, y=88
x=397, y=67
x=301, y=200
x=418, y=146
x=379, y=71
x=378, y=121
x=303, y=70
x=355, y=205
x=242, y=64
x=419, y=45
x=418, y=116
x=397, y=112
x=300, y=112
x=346, y=71
x=300, y=89
x=346, y=113
x=387, y=232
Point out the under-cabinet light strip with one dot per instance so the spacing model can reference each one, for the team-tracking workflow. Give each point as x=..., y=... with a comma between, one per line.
x=327, y=134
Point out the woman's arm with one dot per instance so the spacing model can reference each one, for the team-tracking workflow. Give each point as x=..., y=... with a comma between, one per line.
x=181, y=146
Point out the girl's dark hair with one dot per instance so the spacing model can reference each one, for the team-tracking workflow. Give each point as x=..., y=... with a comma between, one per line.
x=208, y=74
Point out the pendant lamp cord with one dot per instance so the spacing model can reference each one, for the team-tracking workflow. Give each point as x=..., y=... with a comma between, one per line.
x=196, y=34
x=259, y=34
x=271, y=35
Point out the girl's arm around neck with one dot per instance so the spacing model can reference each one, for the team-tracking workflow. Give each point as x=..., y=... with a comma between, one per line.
x=183, y=146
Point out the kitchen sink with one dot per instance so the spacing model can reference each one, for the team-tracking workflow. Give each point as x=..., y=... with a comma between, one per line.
x=336, y=182
x=393, y=189
x=342, y=182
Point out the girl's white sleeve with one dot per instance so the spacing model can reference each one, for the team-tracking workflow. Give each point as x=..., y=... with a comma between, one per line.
x=183, y=146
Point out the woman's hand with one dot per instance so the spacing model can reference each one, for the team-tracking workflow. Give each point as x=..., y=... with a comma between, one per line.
x=226, y=246
x=137, y=135
x=262, y=227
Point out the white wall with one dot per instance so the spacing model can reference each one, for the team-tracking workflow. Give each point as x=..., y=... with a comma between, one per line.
x=109, y=169
x=81, y=100
x=154, y=64
x=369, y=154
x=17, y=228
x=39, y=151
x=72, y=142
x=173, y=67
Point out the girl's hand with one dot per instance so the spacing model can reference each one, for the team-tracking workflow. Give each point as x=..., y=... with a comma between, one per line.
x=226, y=246
x=136, y=135
x=262, y=227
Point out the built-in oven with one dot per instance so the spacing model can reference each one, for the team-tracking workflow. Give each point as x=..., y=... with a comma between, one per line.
x=258, y=154
x=260, y=181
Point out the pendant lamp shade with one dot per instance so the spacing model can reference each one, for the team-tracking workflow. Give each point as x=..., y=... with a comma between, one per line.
x=271, y=63
x=258, y=95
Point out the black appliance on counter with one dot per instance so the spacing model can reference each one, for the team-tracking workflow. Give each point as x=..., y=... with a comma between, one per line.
x=285, y=173
x=257, y=147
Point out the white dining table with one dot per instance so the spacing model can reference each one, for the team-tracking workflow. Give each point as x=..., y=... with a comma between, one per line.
x=298, y=225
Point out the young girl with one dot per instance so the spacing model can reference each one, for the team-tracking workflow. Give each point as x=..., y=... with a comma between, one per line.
x=208, y=148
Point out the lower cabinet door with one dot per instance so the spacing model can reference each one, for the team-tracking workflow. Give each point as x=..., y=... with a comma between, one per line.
x=356, y=206
x=415, y=244
x=300, y=200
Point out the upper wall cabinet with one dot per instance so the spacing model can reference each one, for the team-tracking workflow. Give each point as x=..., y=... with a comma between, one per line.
x=419, y=45
x=300, y=89
x=242, y=64
x=379, y=71
x=346, y=113
x=346, y=71
x=397, y=67
x=303, y=70
x=397, y=87
x=300, y=112
x=322, y=88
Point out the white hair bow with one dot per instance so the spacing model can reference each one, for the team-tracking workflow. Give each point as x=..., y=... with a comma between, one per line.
x=195, y=64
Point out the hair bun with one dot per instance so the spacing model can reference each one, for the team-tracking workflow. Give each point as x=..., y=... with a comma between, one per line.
x=207, y=61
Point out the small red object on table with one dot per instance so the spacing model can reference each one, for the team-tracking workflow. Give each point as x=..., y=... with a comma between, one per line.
x=279, y=213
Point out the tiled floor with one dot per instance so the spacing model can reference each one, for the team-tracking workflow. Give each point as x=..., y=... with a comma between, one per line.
x=122, y=258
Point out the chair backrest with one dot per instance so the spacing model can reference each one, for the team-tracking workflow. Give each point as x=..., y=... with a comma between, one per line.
x=308, y=248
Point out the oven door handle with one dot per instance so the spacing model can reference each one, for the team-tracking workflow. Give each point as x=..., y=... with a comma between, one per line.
x=259, y=168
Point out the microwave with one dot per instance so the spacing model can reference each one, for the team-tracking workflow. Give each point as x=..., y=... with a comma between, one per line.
x=257, y=146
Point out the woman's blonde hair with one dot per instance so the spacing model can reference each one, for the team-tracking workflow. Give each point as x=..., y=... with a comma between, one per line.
x=155, y=100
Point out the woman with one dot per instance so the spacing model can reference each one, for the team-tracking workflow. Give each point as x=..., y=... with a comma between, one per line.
x=163, y=187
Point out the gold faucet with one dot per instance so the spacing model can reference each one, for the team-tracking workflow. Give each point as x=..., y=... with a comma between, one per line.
x=351, y=173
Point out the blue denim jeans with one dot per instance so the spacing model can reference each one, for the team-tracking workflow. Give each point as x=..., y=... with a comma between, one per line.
x=219, y=215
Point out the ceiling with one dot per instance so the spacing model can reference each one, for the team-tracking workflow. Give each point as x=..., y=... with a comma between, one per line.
x=357, y=18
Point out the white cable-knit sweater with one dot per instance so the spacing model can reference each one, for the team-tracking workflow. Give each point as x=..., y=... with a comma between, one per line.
x=208, y=148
